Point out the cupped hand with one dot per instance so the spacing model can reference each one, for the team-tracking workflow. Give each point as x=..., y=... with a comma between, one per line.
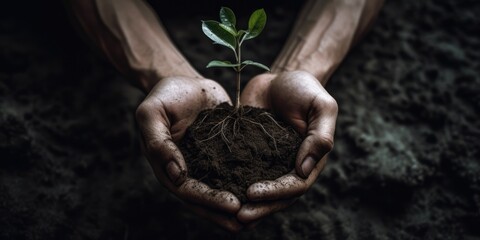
x=163, y=117
x=299, y=99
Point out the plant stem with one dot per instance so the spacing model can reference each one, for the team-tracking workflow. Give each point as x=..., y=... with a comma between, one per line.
x=237, y=103
x=238, y=70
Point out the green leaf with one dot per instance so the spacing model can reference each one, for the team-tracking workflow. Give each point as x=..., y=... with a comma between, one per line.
x=249, y=62
x=229, y=29
x=227, y=17
x=218, y=63
x=256, y=23
x=219, y=35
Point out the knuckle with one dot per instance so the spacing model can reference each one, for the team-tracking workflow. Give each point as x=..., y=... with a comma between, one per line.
x=142, y=111
x=325, y=142
x=328, y=103
x=332, y=104
x=152, y=147
x=161, y=149
x=324, y=102
x=301, y=187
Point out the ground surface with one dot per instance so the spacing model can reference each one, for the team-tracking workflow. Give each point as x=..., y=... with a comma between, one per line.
x=405, y=163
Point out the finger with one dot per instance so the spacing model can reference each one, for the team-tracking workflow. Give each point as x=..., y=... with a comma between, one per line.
x=256, y=92
x=162, y=153
x=252, y=212
x=228, y=222
x=199, y=193
x=216, y=94
x=179, y=100
x=287, y=186
x=319, y=138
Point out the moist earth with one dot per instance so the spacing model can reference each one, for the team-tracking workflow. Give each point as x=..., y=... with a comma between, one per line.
x=230, y=150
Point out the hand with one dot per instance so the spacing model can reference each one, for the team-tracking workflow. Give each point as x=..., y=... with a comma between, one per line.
x=299, y=99
x=163, y=117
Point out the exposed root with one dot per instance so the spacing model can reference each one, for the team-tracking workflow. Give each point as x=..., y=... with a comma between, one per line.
x=219, y=129
x=233, y=124
x=264, y=131
x=231, y=149
x=270, y=116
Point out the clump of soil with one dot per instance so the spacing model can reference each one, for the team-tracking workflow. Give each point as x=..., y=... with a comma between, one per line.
x=231, y=150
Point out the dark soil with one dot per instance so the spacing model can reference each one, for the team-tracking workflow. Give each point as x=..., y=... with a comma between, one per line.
x=231, y=150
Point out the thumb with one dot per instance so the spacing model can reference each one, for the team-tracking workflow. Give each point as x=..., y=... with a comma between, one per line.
x=163, y=154
x=313, y=148
x=319, y=138
x=166, y=160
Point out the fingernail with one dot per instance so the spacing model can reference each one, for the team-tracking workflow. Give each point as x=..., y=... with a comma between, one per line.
x=308, y=165
x=174, y=173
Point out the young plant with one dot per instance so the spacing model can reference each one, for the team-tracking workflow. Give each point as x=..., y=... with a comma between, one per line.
x=225, y=33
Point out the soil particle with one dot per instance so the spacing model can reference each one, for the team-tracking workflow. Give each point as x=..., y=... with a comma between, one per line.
x=231, y=151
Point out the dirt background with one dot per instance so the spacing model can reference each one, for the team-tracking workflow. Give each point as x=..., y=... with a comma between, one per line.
x=405, y=163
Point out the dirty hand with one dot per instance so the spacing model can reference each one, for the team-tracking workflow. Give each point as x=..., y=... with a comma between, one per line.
x=163, y=117
x=299, y=99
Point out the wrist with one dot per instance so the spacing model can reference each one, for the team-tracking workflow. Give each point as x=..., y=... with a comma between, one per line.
x=323, y=36
x=322, y=73
x=147, y=78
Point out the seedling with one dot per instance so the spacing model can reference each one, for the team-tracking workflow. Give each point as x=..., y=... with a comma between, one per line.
x=225, y=33
x=230, y=147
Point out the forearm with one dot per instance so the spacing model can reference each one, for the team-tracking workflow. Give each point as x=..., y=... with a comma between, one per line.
x=130, y=35
x=324, y=33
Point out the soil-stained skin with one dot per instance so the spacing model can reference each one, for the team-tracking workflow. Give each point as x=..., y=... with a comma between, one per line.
x=405, y=162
